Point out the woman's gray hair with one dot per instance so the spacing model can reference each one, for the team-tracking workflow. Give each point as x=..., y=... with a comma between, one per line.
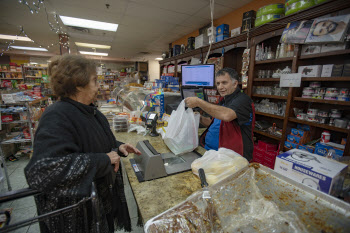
x=231, y=72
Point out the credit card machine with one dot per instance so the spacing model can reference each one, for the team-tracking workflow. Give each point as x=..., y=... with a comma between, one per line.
x=151, y=122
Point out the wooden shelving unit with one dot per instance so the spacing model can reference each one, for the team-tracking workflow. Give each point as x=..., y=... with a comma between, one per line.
x=270, y=96
x=322, y=79
x=328, y=54
x=310, y=100
x=269, y=115
x=27, y=76
x=267, y=134
x=266, y=80
x=11, y=78
x=323, y=126
x=285, y=59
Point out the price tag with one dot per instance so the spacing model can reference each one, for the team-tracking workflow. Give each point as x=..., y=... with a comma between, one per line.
x=290, y=80
x=8, y=98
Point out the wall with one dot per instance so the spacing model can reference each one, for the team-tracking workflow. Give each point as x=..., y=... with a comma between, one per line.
x=153, y=70
x=233, y=19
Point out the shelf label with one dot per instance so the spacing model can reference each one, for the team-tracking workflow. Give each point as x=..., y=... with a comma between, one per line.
x=290, y=80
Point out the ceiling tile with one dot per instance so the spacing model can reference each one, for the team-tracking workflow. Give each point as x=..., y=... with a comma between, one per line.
x=218, y=12
x=233, y=4
x=180, y=6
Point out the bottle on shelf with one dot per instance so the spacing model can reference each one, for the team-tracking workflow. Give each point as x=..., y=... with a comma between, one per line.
x=257, y=53
x=282, y=53
x=278, y=51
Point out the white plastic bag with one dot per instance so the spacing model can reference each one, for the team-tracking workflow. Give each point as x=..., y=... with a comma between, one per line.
x=182, y=132
x=218, y=165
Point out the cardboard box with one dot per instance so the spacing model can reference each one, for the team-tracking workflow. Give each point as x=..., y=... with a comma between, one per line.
x=303, y=127
x=266, y=146
x=176, y=50
x=323, y=149
x=249, y=14
x=191, y=43
x=223, y=29
x=235, y=32
x=312, y=170
x=201, y=40
x=310, y=49
x=247, y=24
x=327, y=70
x=346, y=70
x=337, y=70
x=332, y=47
x=294, y=139
x=310, y=71
x=221, y=37
x=6, y=118
x=306, y=148
x=290, y=145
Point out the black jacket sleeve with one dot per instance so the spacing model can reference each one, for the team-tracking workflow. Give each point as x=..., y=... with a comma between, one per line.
x=57, y=164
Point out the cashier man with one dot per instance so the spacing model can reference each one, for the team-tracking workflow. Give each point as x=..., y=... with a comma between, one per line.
x=233, y=119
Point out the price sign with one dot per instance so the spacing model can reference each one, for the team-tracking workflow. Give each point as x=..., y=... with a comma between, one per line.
x=290, y=80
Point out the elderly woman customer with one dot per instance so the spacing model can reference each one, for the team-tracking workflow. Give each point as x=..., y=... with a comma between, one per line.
x=73, y=147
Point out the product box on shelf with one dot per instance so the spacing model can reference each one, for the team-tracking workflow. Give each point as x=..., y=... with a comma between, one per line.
x=312, y=170
x=248, y=20
x=6, y=118
x=294, y=139
x=266, y=158
x=235, y=31
x=310, y=49
x=327, y=70
x=324, y=148
x=337, y=70
x=310, y=71
x=332, y=47
x=201, y=40
x=306, y=148
x=223, y=29
x=221, y=37
x=290, y=145
x=303, y=127
x=346, y=70
x=176, y=50
x=191, y=43
x=303, y=134
x=267, y=146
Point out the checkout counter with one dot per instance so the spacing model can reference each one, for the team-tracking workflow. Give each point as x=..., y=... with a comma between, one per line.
x=156, y=196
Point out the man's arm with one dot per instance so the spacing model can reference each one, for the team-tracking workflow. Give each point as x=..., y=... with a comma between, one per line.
x=216, y=111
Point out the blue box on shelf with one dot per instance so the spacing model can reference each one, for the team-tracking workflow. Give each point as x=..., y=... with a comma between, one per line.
x=221, y=37
x=223, y=29
x=290, y=145
x=306, y=148
x=323, y=149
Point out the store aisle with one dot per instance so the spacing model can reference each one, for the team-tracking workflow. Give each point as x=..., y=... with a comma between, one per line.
x=25, y=207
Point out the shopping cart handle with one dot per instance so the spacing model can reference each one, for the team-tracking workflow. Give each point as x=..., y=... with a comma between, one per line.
x=13, y=195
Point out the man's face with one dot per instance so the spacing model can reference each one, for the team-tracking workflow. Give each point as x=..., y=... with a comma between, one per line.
x=324, y=27
x=225, y=85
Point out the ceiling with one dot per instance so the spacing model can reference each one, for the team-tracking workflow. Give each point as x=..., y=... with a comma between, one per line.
x=144, y=25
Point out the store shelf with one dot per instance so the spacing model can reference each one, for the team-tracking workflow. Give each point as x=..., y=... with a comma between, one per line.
x=38, y=100
x=14, y=122
x=267, y=134
x=269, y=115
x=323, y=126
x=335, y=102
x=285, y=59
x=328, y=79
x=11, y=78
x=333, y=53
x=35, y=67
x=15, y=141
x=270, y=96
x=266, y=80
x=5, y=71
x=28, y=76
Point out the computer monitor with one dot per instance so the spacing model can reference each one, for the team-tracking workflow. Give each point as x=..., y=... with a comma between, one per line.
x=193, y=92
x=198, y=75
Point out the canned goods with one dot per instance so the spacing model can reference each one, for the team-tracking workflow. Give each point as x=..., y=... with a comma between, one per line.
x=325, y=136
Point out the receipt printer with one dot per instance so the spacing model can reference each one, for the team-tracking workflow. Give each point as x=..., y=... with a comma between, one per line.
x=153, y=165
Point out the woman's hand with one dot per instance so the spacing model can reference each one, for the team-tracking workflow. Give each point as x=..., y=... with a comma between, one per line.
x=127, y=148
x=115, y=159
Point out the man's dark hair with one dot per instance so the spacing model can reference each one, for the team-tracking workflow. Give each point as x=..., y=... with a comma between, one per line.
x=231, y=72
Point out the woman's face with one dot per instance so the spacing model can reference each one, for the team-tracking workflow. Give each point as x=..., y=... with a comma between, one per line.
x=324, y=27
x=89, y=92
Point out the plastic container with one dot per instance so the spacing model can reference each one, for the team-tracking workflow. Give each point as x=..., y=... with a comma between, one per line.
x=320, y=90
x=335, y=115
x=301, y=116
x=271, y=9
x=344, y=91
x=332, y=91
x=266, y=18
x=341, y=123
x=312, y=111
x=343, y=98
x=323, y=114
x=315, y=84
x=325, y=136
x=295, y=6
x=322, y=120
x=311, y=117
x=308, y=90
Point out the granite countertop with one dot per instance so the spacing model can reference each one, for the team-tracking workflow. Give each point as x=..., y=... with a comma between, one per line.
x=156, y=196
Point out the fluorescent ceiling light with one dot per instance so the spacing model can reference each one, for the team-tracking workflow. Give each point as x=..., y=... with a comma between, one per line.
x=86, y=23
x=95, y=46
x=9, y=37
x=159, y=58
x=93, y=53
x=28, y=48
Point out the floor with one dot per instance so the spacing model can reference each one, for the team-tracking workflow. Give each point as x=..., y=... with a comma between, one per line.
x=25, y=208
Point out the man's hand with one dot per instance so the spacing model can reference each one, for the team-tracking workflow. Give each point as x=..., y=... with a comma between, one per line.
x=127, y=148
x=192, y=102
x=115, y=159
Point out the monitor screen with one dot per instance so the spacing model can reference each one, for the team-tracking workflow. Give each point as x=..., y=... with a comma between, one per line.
x=198, y=75
x=193, y=93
